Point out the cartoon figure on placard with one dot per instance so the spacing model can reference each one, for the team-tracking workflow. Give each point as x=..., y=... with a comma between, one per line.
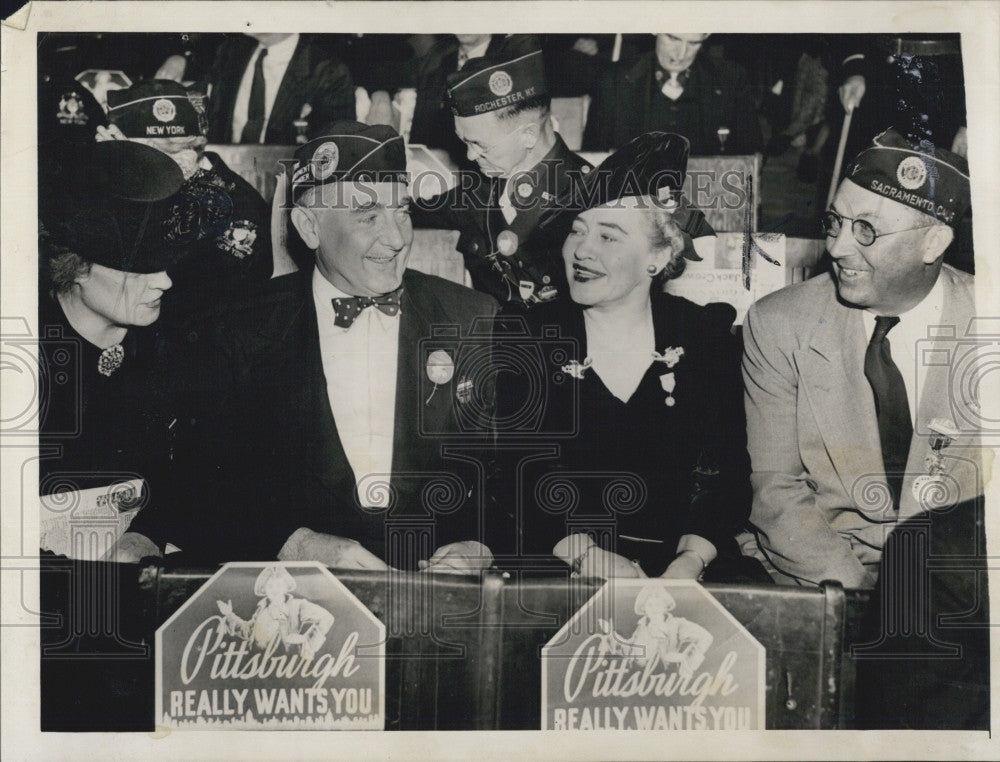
x=659, y=634
x=294, y=621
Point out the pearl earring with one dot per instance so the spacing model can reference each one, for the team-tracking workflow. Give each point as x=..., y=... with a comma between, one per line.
x=652, y=270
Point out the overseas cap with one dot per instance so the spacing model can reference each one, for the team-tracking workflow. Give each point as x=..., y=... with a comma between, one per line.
x=515, y=74
x=929, y=179
x=350, y=151
x=652, y=165
x=158, y=108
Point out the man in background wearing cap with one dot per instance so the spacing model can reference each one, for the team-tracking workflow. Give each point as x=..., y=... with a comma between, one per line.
x=322, y=411
x=708, y=100
x=216, y=210
x=850, y=414
x=501, y=108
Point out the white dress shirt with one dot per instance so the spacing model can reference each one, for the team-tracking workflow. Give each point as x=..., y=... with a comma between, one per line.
x=903, y=341
x=464, y=56
x=360, y=368
x=275, y=66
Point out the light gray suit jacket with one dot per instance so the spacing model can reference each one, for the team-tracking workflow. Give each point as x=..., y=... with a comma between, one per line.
x=822, y=508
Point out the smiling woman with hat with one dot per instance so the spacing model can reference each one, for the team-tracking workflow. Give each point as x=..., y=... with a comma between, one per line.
x=656, y=465
x=104, y=262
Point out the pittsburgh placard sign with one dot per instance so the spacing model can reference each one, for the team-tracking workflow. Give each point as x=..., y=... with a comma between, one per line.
x=653, y=655
x=270, y=647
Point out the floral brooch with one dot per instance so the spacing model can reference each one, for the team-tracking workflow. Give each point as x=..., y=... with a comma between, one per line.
x=110, y=359
x=577, y=369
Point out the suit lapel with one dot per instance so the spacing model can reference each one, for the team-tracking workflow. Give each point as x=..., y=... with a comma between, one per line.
x=417, y=409
x=225, y=92
x=940, y=398
x=307, y=409
x=290, y=90
x=840, y=397
x=642, y=78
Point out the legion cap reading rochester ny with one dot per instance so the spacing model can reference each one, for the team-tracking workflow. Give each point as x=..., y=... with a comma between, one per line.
x=514, y=74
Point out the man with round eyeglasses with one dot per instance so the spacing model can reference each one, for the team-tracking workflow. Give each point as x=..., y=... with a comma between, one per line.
x=851, y=418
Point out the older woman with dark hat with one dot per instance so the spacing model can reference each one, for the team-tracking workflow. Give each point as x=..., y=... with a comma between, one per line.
x=648, y=471
x=104, y=275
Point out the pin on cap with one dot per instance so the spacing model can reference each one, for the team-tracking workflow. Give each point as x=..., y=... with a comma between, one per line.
x=923, y=177
x=352, y=152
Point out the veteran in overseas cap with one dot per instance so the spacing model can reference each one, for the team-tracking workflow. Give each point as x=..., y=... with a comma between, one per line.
x=351, y=152
x=158, y=108
x=923, y=177
x=515, y=74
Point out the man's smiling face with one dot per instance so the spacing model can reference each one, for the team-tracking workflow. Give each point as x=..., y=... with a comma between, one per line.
x=364, y=238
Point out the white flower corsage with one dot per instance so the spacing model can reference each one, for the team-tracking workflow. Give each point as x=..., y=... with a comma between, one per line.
x=670, y=356
x=576, y=369
x=440, y=369
x=668, y=382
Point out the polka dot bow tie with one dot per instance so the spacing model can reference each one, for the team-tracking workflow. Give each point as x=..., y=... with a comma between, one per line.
x=350, y=307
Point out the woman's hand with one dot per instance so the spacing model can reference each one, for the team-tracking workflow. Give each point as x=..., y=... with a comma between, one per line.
x=589, y=560
x=226, y=609
x=458, y=558
x=687, y=565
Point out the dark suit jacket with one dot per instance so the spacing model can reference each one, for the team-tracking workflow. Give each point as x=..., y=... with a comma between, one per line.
x=312, y=77
x=433, y=124
x=475, y=213
x=259, y=456
x=621, y=108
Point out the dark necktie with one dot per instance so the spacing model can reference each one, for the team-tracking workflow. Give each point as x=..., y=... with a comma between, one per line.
x=255, y=108
x=349, y=307
x=895, y=429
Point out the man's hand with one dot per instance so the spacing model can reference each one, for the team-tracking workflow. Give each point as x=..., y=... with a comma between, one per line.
x=851, y=92
x=458, y=558
x=960, y=144
x=131, y=548
x=330, y=550
x=111, y=132
x=586, y=45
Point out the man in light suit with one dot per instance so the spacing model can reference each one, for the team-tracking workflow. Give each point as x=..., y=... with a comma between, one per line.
x=263, y=84
x=850, y=377
x=317, y=415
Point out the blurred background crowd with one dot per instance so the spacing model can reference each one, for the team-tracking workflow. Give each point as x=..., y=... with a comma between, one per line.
x=784, y=95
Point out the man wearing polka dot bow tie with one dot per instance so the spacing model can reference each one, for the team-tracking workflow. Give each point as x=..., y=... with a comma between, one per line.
x=327, y=441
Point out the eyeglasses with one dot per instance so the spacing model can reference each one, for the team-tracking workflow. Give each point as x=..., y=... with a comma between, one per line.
x=862, y=230
x=483, y=150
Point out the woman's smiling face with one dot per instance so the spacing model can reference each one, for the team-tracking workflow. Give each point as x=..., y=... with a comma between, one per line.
x=608, y=252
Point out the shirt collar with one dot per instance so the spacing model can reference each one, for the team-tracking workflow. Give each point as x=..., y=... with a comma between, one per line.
x=479, y=51
x=324, y=291
x=926, y=312
x=281, y=52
